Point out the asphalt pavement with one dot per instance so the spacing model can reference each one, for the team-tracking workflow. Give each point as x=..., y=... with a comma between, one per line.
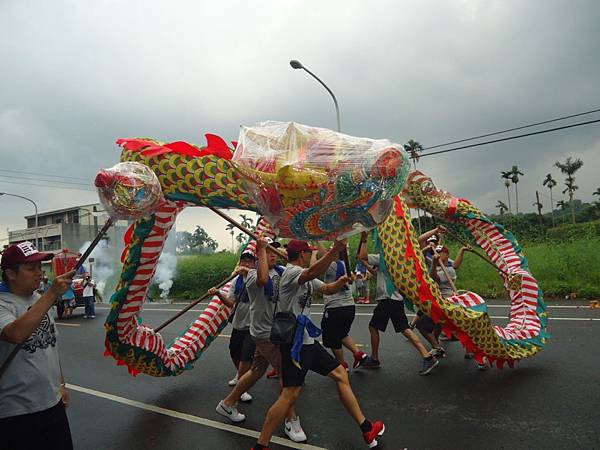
x=549, y=401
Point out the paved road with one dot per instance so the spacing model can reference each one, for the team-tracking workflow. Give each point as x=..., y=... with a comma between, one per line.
x=549, y=401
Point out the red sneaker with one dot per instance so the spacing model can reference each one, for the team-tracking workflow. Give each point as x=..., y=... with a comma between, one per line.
x=273, y=374
x=377, y=430
x=359, y=356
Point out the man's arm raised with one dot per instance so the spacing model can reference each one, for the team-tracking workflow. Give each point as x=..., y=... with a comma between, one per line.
x=322, y=264
x=21, y=328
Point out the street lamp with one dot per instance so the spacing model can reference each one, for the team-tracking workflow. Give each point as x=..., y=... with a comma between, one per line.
x=298, y=65
x=36, y=214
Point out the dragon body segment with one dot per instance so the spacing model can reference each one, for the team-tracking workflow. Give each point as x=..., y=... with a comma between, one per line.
x=192, y=176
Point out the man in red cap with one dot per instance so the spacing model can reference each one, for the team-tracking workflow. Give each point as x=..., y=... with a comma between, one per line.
x=297, y=285
x=32, y=389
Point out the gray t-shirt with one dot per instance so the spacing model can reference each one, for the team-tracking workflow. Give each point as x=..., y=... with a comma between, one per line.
x=241, y=318
x=31, y=383
x=381, y=291
x=262, y=307
x=340, y=298
x=294, y=296
x=445, y=287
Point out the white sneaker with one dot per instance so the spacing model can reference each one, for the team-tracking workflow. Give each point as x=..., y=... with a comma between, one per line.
x=230, y=412
x=245, y=397
x=233, y=381
x=294, y=430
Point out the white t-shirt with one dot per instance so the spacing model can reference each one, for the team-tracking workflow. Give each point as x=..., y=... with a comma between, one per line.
x=381, y=291
x=341, y=298
x=31, y=383
x=445, y=286
x=88, y=290
x=295, y=297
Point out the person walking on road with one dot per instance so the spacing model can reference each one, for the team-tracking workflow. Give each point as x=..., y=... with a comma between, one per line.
x=338, y=315
x=389, y=307
x=241, y=345
x=262, y=285
x=33, y=396
x=88, y=297
x=298, y=284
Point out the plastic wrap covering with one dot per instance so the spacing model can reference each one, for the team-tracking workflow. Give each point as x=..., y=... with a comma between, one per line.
x=129, y=190
x=314, y=183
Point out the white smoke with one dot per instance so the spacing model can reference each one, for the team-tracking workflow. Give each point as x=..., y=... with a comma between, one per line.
x=103, y=266
x=165, y=272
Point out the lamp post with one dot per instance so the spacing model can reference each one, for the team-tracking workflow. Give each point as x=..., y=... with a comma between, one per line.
x=36, y=214
x=298, y=65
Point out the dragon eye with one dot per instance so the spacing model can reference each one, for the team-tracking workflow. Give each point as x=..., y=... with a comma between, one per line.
x=427, y=186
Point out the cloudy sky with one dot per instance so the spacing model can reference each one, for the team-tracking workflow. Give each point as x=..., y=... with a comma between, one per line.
x=78, y=75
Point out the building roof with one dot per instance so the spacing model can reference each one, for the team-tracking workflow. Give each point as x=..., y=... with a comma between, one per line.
x=58, y=211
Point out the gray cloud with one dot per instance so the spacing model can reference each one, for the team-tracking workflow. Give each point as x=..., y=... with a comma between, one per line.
x=78, y=75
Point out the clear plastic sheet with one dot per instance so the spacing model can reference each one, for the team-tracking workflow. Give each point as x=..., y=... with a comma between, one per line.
x=129, y=190
x=314, y=183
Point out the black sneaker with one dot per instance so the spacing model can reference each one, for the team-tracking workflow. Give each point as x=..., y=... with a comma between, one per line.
x=438, y=353
x=370, y=363
x=428, y=365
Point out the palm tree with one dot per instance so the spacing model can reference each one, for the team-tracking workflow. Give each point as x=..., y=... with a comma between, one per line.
x=507, y=176
x=569, y=167
x=550, y=182
x=597, y=192
x=515, y=172
x=502, y=207
x=231, y=228
x=561, y=204
x=413, y=147
x=246, y=222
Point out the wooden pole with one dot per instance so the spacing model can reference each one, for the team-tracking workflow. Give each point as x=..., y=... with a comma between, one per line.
x=194, y=303
x=95, y=242
x=443, y=266
x=459, y=239
x=246, y=230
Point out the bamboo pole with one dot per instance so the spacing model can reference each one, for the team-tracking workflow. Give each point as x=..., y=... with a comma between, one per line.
x=194, y=303
x=246, y=230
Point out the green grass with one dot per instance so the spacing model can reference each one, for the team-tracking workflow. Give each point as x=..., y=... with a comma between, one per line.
x=560, y=268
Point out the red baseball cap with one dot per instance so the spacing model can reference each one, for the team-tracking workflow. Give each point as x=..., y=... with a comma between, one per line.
x=23, y=252
x=297, y=246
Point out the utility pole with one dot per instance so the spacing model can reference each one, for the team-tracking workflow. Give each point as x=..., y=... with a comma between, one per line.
x=539, y=208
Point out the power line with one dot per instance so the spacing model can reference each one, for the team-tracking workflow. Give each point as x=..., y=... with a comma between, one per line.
x=510, y=138
x=514, y=129
x=48, y=186
x=44, y=174
x=49, y=181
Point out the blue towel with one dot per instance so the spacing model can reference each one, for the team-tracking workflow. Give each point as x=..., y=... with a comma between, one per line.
x=303, y=322
x=268, y=290
x=4, y=287
x=340, y=271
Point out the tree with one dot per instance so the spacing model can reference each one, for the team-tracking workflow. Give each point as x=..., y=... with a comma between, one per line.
x=414, y=148
x=507, y=176
x=561, y=204
x=184, y=241
x=569, y=167
x=246, y=222
x=502, y=207
x=231, y=228
x=514, y=177
x=550, y=183
x=597, y=192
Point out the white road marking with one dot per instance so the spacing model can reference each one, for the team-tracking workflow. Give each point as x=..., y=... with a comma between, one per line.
x=68, y=324
x=189, y=417
x=576, y=319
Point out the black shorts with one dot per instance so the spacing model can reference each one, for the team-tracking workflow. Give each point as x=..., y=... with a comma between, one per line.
x=336, y=325
x=241, y=345
x=43, y=429
x=312, y=357
x=389, y=309
x=426, y=325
